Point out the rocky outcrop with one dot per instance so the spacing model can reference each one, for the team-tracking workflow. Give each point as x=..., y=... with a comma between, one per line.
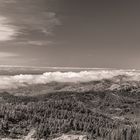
x=72, y=137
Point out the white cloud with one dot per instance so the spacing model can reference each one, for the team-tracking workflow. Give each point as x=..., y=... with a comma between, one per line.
x=7, y=55
x=83, y=76
x=39, y=43
x=7, y=32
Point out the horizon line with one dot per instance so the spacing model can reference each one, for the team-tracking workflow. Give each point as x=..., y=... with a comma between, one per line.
x=65, y=67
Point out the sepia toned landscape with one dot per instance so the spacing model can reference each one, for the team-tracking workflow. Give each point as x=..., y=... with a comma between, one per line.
x=69, y=70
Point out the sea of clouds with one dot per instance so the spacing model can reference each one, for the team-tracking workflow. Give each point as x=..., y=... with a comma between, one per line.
x=48, y=77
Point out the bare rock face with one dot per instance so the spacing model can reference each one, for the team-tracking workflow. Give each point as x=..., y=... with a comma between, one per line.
x=72, y=137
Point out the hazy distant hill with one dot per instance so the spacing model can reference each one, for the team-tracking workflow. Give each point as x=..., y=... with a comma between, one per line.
x=120, y=83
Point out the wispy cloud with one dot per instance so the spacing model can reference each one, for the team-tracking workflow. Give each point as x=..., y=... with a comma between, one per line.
x=7, y=32
x=4, y=55
x=37, y=27
x=8, y=1
x=27, y=21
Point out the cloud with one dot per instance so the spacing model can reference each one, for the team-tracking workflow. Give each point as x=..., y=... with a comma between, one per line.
x=37, y=29
x=36, y=43
x=83, y=76
x=27, y=21
x=4, y=55
x=8, y=1
x=7, y=32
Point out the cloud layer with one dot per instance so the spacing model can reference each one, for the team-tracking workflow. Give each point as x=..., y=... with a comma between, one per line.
x=83, y=76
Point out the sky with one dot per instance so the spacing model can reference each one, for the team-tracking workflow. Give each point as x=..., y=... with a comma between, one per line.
x=70, y=33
